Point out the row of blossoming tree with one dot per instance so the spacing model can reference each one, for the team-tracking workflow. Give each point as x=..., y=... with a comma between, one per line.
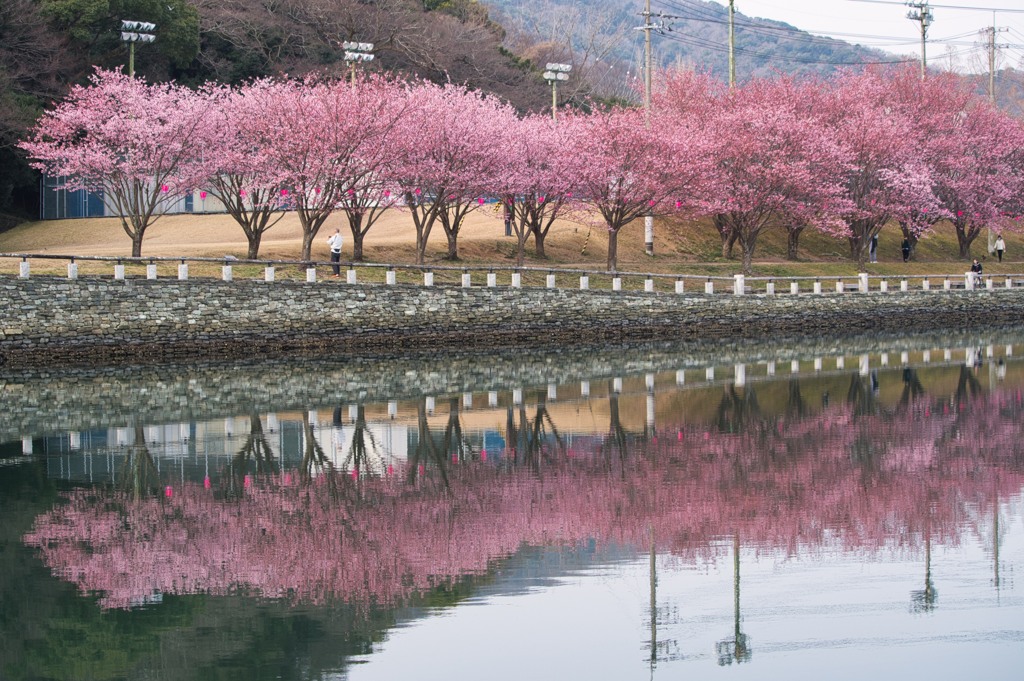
x=847, y=156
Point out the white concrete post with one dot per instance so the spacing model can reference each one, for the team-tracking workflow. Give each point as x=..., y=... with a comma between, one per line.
x=310, y=275
x=926, y=284
x=946, y=284
x=268, y=274
x=390, y=278
x=739, y=284
x=709, y=287
x=904, y=285
x=817, y=287
x=1009, y=283
x=989, y=284
x=794, y=287
x=467, y=280
x=864, y=285
x=680, y=286
x=72, y=270
x=840, y=288
x=492, y=280
x=649, y=285
x=883, y=286
x=968, y=281
x=227, y=273
x=151, y=271
x=428, y=278
x=183, y=272
x=26, y=445
x=584, y=282
x=551, y=281
x=350, y=277
x=517, y=280
x=770, y=288
x=616, y=283
x=119, y=272
x=24, y=269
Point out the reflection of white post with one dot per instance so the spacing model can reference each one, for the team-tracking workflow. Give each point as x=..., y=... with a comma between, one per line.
x=353, y=412
x=650, y=410
x=885, y=359
x=517, y=396
x=467, y=400
x=26, y=445
x=552, y=391
x=904, y=358
x=681, y=377
x=926, y=356
x=314, y=417
x=75, y=440
x=990, y=351
x=865, y=365
x=585, y=388
x=392, y=408
x=840, y=362
x=740, y=375
x=272, y=424
x=492, y=398
x=947, y=355
x=794, y=367
x=617, y=385
x=709, y=374
x=771, y=368
x=1009, y=351
x=649, y=381
x=430, y=405
x=969, y=354
x=122, y=436
x=817, y=363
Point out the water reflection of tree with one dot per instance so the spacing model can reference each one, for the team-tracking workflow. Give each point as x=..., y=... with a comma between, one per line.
x=735, y=648
x=617, y=441
x=139, y=477
x=533, y=435
x=912, y=388
x=795, y=404
x=738, y=409
x=862, y=394
x=428, y=450
x=967, y=385
x=255, y=450
x=923, y=600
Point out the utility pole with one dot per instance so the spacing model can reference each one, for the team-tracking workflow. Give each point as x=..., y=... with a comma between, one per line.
x=992, y=58
x=648, y=59
x=732, y=44
x=923, y=14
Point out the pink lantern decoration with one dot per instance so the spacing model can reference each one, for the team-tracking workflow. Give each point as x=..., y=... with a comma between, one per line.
x=168, y=492
x=284, y=192
x=540, y=199
x=247, y=482
x=164, y=188
x=480, y=201
x=206, y=482
x=391, y=469
x=202, y=195
x=959, y=213
x=351, y=192
x=242, y=193
x=317, y=190
x=355, y=474
x=652, y=203
x=483, y=455
x=679, y=204
x=417, y=192
x=387, y=193
x=568, y=195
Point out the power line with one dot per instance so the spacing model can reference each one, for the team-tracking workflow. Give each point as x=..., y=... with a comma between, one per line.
x=963, y=7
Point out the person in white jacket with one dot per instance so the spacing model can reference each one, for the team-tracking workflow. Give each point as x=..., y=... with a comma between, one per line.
x=1000, y=247
x=335, y=241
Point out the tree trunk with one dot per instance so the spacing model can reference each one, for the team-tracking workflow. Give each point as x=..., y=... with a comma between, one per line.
x=254, y=245
x=613, y=248
x=357, y=245
x=793, y=242
x=965, y=236
x=721, y=223
x=453, y=244
x=307, y=245
x=538, y=241
x=137, y=245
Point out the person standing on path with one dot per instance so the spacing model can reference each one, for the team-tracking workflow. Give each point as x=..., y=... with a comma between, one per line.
x=905, y=248
x=873, y=248
x=1000, y=247
x=335, y=241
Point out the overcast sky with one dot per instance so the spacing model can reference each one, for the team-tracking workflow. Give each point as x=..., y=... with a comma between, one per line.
x=886, y=26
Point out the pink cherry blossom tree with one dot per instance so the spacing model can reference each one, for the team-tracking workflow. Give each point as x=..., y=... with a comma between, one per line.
x=126, y=140
x=536, y=179
x=446, y=157
x=316, y=134
x=772, y=159
x=628, y=169
x=888, y=176
x=233, y=160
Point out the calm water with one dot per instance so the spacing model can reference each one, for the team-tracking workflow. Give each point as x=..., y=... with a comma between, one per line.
x=837, y=511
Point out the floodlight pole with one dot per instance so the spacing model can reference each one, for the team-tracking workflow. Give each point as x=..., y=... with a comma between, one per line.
x=553, y=73
x=357, y=52
x=135, y=32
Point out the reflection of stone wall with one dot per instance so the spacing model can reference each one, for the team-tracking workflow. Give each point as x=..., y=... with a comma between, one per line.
x=41, y=400
x=50, y=321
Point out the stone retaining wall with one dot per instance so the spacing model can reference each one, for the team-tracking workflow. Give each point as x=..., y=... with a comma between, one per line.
x=52, y=321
